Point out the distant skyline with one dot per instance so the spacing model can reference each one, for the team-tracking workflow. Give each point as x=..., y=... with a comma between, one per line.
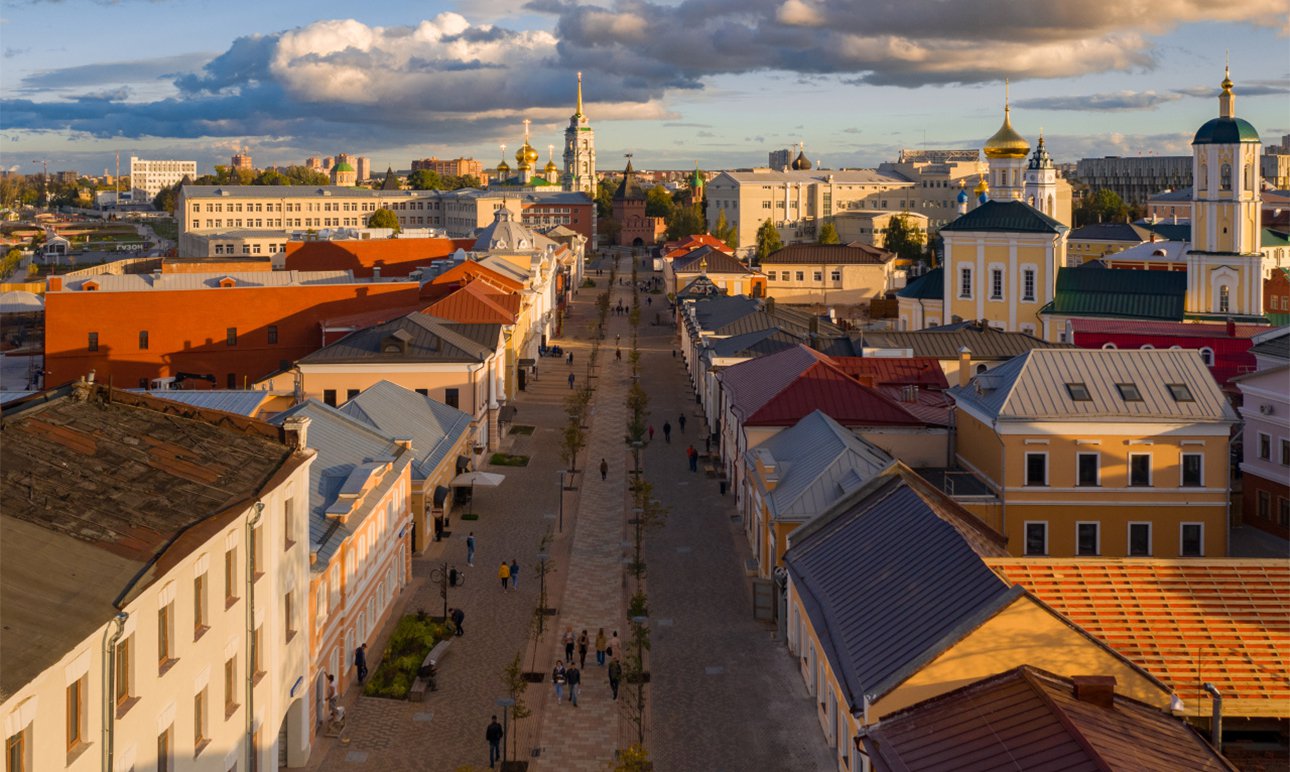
x=675, y=83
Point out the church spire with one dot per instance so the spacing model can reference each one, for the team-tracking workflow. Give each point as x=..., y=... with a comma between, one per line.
x=1227, y=100
x=578, y=112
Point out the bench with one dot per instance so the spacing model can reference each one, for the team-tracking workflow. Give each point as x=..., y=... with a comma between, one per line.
x=418, y=691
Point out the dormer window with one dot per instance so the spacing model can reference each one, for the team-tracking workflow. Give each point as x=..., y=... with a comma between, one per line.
x=228, y=281
x=1129, y=392
x=90, y=286
x=396, y=342
x=1079, y=392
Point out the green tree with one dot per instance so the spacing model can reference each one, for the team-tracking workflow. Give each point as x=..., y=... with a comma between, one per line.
x=303, y=175
x=728, y=233
x=658, y=202
x=271, y=177
x=425, y=179
x=768, y=240
x=904, y=238
x=384, y=218
x=684, y=221
x=1101, y=205
x=604, y=201
x=829, y=233
x=165, y=200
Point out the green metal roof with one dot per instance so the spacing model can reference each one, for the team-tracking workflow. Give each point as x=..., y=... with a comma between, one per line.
x=1007, y=216
x=929, y=286
x=1119, y=293
x=343, y=167
x=1225, y=131
x=1273, y=238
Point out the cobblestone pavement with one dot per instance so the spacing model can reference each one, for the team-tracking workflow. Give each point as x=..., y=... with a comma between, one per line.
x=726, y=693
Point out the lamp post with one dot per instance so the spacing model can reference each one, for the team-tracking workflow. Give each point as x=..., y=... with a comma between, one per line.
x=560, y=522
x=542, y=559
x=440, y=575
x=505, y=703
x=640, y=622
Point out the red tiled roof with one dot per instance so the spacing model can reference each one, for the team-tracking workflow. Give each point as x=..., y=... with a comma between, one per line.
x=822, y=386
x=1186, y=621
x=883, y=371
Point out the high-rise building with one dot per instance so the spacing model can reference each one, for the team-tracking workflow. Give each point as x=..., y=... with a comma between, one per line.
x=314, y=162
x=363, y=165
x=1135, y=179
x=151, y=176
x=780, y=159
x=241, y=161
x=580, y=151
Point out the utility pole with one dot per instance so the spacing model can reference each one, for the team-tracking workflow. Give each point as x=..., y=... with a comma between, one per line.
x=44, y=180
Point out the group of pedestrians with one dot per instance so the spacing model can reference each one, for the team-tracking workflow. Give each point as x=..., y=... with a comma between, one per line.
x=509, y=573
x=568, y=671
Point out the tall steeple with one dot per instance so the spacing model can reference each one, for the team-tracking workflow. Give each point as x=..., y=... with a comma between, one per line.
x=1006, y=153
x=579, y=151
x=1041, y=180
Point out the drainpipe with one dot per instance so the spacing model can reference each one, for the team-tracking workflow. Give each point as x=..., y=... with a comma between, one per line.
x=251, y=523
x=109, y=685
x=1216, y=718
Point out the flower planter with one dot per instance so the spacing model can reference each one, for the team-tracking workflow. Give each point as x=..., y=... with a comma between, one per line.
x=533, y=678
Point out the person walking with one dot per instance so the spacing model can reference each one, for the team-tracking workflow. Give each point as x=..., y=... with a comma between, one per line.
x=557, y=680
x=470, y=549
x=571, y=378
x=681, y=420
x=494, y=737
x=331, y=696
x=504, y=573
x=667, y=432
x=438, y=528
x=693, y=455
x=360, y=662
x=615, y=676
x=600, y=647
x=604, y=469
x=569, y=640
x=618, y=354
x=574, y=677
x=515, y=574
x=457, y=616
x=651, y=432
x=615, y=647
x=571, y=359
x=583, y=643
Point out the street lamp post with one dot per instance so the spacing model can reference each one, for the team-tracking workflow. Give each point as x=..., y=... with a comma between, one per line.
x=640, y=622
x=505, y=703
x=542, y=559
x=560, y=523
x=440, y=575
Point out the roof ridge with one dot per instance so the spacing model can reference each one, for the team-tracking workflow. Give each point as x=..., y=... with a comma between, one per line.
x=1067, y=723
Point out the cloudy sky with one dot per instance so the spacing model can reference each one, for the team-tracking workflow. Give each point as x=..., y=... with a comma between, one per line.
x=719, y=82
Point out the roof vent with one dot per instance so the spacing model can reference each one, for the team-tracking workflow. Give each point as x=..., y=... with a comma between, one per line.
x=1095, y=690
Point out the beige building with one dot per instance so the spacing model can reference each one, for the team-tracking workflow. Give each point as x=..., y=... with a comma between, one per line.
x=830, y=274
x=869, y=226
x=151, y=176
x=167, y=630
x=456, y=167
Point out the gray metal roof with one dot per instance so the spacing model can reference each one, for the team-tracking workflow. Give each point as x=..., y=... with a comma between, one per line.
x=344, y=446
x=236, y=401
x=1034, y=386
x=11, y=396
x=984, y=341
x=756, y=343
x=134, y=282
x=433, y=427
x=717, y=311
x=888, y=584
x=1275, y=345
x=429, y=339
x=817, y=461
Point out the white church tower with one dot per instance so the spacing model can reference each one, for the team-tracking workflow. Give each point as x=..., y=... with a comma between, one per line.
x=1006, y=154
x=579, y=152
x=1041, y=180
x=1224, y=266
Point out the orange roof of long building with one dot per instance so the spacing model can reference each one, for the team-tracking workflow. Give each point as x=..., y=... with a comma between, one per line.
x=1187, y=621
x=469, y=271
x=477, y=303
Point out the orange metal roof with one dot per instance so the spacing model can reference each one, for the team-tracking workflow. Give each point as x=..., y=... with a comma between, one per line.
x=470, y=270
x=1226, y=622
x=476, y=303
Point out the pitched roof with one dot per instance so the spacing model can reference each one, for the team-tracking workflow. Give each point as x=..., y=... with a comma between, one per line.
x=236, y=401
x=1088, y=291
x=1164, y=329
x=1187, y=622
x=705, y=259
x=135, y=282
x=477, y=303
x=673, y=249
x=699, y=287
x=837, y=254
x=984, y=341
x=1273, y=344
x=1030, y=719
x=344, y=446
x=769, y=340
x=1008, y=216
x=882, y=603
x=894, y=371
x=716, y=311
x=428, y=339
x=826, y=387
x=470, y=270
x=1109, y=231
x=749, y=385
x=929, y=286
x=95, y=484
x=1174, y=231
x=433, y=427
x=1035, y=386
x=817, y=462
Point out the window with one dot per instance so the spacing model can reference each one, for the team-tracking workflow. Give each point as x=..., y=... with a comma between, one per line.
x=1037, y=538
x=166, y=634
x=1225, y=177
x=273, y=334
x=288, y=616
x=1265, y=446
x=1108, y=347
x=123, y=670
x=801, y=276
x=423, y=392
x=1028, y=284
x=1285, y=452
x=1139, y=539
x=231, y=336
x=1224, y=299
x=770, y=276
x=1079, y=392
x=230, y=577
x=199, y=606
x=165, y=750
x=350, y=394
x=1192, y=540
x=15, y=751
x=450, y=397
x=1193, y=470
x=818, y=276
x=76, y=713
x=1129, y=392
x=257, y=653
x=1180, y=392
x=1206, y=356
x=288, y=523
x=329, y=397
x=1087, y=472
x=230, y=685
x=835, y=276
x=143, y=340
x=1140, y=469
x=996, y=284
x=200, y=736
x=1086, y=539
x=1283, y=512
x=1037, y=469
x=965, y=282
x=1265, y=505
x=93, y=343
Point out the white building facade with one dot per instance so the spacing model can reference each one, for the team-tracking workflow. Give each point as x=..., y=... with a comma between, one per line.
x=151, y=176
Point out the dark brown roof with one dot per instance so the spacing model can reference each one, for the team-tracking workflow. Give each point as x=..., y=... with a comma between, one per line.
x=708, y=260
x=984, y=341
x=1030, y=719
x=841, y=254
x=424, y=338
x=96, y=487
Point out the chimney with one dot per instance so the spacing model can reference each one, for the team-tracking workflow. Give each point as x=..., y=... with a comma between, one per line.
x=55, y=284
x=1095, y=690
x=1216, y=718
x=296, y=429
x=376, y=272
x=965, y=366
x=403, y=442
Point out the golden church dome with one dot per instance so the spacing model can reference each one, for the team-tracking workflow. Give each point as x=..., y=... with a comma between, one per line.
x=1006, y=142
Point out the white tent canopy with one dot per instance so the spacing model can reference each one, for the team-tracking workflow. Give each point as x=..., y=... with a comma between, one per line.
x=20, y=302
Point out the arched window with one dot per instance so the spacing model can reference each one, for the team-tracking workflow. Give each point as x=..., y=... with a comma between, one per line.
x=1207, y=356
x=1108, y=347
x=1147, y=347
x=1224, y=299
x=1225, y=178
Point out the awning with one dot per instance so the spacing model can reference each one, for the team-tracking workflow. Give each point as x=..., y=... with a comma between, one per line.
x=440, y=495
x=507, y=414
x=471, y=479
x=463, y=463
